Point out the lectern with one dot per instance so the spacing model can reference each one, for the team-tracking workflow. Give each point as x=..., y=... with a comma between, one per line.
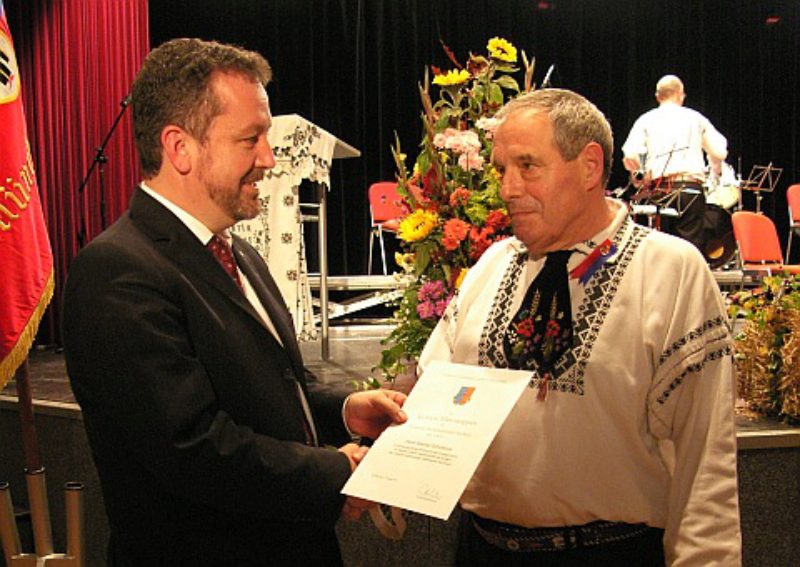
x=303, y=151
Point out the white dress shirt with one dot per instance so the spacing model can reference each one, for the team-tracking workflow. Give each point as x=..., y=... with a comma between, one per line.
x=204, y=235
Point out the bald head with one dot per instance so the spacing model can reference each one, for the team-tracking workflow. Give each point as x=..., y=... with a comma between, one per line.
x=670, y=88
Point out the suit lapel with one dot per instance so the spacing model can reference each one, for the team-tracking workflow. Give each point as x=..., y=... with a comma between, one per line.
x=177, y=243
x=182, y=247
x=269, y=294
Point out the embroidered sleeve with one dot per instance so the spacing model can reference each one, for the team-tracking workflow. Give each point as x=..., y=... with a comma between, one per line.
x=691, y=407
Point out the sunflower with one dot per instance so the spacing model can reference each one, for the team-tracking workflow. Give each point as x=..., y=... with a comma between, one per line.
x=461, y=275
x=417, y=225
x=454, y=77
x=502, y=50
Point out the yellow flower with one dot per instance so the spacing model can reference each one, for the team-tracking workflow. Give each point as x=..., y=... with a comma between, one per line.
x=501, y=49
x=417, y=225
x=405, y=261
x=461, y=275
x=454, y=77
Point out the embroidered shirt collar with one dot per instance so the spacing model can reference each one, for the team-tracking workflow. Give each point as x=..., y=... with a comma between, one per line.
x=613, y=232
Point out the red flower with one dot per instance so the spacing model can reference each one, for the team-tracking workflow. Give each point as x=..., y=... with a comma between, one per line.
x=455, y=230
x=480, y=240
x=525, y=328
x=450, y=243
x=459, y=197
x=430, y=183
x=497, y=220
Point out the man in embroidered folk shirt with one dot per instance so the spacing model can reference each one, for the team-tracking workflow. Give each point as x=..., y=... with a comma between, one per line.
x=622, y=451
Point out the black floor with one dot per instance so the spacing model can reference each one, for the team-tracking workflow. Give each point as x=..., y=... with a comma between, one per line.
x=353, y=352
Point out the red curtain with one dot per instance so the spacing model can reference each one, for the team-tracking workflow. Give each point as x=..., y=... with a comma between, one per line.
x=77, y=61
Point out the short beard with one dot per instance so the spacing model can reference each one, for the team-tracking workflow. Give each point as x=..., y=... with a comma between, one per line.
x=232, y=204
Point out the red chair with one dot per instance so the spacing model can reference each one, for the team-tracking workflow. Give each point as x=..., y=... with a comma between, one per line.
x=386, y=209
x=759, y=247
x=793, y=198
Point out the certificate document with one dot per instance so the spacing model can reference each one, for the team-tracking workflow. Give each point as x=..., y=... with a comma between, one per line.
x=424, y=464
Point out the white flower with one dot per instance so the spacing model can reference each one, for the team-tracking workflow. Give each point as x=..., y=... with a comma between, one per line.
x=488, y=125
x=471, y=161
x=462, y=142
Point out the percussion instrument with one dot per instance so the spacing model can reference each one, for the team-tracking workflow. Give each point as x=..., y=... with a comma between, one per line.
x=719, y=247
x=724, y=191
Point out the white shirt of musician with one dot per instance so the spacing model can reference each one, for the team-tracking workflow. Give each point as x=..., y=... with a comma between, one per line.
x=671, y=139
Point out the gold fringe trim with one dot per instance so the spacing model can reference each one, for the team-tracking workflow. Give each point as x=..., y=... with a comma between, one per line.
x=18, y=354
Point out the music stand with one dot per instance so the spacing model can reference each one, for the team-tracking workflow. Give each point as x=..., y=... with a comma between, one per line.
x=664, y=198
x=762, y=178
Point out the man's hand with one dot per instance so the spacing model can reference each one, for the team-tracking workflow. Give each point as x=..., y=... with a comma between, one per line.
x=354, y=454
x=369, y=413
x=354, y=507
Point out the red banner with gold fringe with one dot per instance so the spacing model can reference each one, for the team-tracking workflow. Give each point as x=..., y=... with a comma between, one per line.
x=26, y=261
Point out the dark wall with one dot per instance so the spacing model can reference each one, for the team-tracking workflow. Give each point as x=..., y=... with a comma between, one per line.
x=352, y=66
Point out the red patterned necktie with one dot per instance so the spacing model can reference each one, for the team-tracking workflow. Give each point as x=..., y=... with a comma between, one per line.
x=224, y=254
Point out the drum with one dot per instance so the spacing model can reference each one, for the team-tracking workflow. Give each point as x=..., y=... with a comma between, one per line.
x=725, y=191
x=719, y=247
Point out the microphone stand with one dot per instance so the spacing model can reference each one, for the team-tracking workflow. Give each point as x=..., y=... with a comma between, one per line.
x=100, y=160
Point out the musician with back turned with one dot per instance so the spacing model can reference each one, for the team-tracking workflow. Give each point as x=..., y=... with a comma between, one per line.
x=666, y=144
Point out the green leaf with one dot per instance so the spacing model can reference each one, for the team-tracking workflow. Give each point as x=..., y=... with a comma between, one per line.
x=423, y=163
x=423, y=259
x=507, y=82
x=478, y=94
x=495, y=94
x=507, y=68
x=477, y=213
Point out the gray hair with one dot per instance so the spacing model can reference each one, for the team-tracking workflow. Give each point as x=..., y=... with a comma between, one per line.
x=576, y=122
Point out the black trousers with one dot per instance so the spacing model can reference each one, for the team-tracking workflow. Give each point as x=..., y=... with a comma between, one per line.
x=646, y=550
x=690, y=225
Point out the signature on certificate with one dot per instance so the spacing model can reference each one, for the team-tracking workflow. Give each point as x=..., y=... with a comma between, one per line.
x=427, y=492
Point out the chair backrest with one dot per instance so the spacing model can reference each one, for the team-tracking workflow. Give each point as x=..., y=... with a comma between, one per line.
x=757, y=238
x=793, y=198
x=385, y=203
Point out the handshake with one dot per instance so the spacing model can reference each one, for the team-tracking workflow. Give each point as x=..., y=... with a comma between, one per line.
x=368, y=414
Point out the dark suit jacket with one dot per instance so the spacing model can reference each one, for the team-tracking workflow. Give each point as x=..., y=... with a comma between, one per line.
x=190, y=404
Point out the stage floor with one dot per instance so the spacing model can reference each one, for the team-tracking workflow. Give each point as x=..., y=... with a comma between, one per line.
x=354, y=351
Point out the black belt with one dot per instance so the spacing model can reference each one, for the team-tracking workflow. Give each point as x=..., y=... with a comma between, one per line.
x=517, y=538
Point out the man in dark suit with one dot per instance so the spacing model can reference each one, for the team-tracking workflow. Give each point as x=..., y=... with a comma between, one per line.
x=205, y=427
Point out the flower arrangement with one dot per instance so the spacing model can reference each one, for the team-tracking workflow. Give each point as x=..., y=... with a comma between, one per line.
x=768, y=347
x=454, y=208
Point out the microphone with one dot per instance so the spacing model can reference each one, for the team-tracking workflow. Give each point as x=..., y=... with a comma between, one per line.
x=126, y=101
x=546, y=81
